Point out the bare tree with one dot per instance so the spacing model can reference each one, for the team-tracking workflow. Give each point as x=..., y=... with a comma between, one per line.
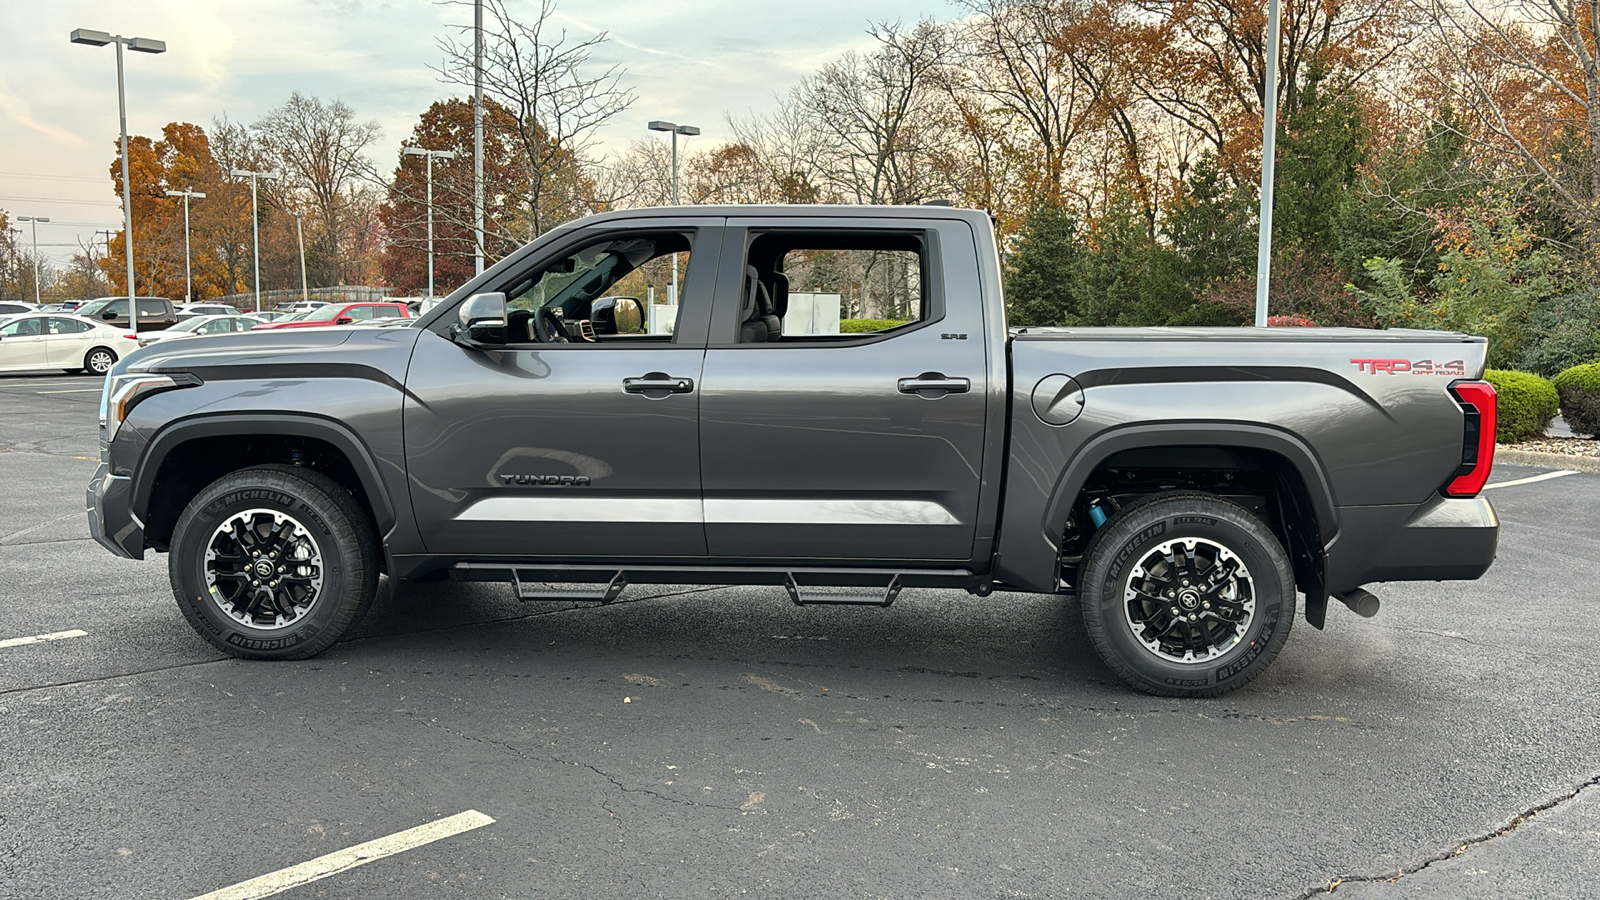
x=320, y=147
x=876, y=110
x=558, y=100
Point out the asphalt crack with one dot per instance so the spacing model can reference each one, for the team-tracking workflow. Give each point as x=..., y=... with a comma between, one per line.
x=1516, y=822
x=656, y=794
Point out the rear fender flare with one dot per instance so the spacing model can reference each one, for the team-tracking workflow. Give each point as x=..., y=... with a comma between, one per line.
x=1178, y=434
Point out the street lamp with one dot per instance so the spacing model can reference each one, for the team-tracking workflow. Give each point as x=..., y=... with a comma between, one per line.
x=430, y=155
x=143, y=45
x=686, y=131
x=38, y=270
x=255, y=221
x=300, y=238
x=188, y=280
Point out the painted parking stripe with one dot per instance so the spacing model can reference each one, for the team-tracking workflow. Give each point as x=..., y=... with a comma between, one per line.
x=41, y=638
x=342, y=860
x=73, y=391
x=1531, y=479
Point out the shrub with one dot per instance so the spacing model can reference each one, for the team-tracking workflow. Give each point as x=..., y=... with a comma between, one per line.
x=1290, y=322
x=1579, y=389
x=868, y=326
x=1563, y=332
x=1525, y=402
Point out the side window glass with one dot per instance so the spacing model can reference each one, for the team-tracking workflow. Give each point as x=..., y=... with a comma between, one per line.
x=832, y=283
x=218, y=326
x=386, y=312
x=58, y=325
x=22, y=328
x=118, y=308
x=152, y=309
x=359, y=312
x=620, y=289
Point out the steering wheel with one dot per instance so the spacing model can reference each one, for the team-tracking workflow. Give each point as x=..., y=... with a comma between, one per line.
x=550, y=329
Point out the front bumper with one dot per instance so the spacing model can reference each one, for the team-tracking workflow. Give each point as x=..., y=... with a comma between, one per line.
x=111, y=520
x=1445, y=539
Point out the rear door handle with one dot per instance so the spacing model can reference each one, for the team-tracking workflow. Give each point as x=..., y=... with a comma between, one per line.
x=933, y=385
x=656, y=385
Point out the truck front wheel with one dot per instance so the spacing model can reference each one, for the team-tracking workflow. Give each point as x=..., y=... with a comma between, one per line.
x=1186, y=595
x=273, y=562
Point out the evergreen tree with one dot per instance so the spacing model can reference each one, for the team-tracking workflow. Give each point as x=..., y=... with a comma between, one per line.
x=1044, y=269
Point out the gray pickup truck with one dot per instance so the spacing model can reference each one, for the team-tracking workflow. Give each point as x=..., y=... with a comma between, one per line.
x=550, y=426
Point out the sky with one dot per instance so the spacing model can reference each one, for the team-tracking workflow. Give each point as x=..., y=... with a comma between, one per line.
x=689, y=61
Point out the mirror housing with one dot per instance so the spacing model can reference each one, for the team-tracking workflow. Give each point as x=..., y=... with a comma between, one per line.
x=108, y=315
x=344, y=320
x=617, y=315
x=481, y=321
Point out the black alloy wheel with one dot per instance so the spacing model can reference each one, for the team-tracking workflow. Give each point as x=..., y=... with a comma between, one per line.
x=1186, y=595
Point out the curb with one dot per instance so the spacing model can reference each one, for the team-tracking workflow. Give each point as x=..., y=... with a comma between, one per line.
x=1509, y=456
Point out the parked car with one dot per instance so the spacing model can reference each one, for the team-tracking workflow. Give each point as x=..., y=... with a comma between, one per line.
x=300, y=306
x=1185, y=484
x=72, y=343
x=201, y=325
x=275, y=315
x=12, y=307
x=188, y=311
x=342, y=314
x=155, y=313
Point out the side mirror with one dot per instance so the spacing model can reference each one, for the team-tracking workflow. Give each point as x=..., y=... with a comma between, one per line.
x=617, y=315
x=481, y=321
x=108, y=315
x=344, y=320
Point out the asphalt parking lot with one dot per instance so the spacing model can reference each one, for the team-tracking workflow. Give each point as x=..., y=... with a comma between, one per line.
x=715, y=742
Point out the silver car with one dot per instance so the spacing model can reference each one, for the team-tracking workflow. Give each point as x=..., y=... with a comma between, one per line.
x=223, y=324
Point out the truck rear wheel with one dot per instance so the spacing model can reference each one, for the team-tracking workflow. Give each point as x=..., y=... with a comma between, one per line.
x=1186, y=595
x=273, y=562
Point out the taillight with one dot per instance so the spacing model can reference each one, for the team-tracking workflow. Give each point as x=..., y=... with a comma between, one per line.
x=1477, y=443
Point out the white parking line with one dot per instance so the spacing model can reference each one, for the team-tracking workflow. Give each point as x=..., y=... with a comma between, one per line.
x=359, y=855
x=41, y=638
x=73, y=391
x=1531, y=479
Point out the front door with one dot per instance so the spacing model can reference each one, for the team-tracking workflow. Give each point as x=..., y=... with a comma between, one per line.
x=23, y=345
x=842, y=414
x=580, y=437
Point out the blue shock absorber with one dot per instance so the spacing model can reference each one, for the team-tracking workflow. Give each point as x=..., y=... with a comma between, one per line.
x=1096, y=514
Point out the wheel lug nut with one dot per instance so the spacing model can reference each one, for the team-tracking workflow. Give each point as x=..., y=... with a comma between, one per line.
x=1205, y=605
x=1192, y=617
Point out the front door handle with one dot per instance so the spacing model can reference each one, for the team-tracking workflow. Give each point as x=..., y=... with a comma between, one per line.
x=933, y=385
x=656, y=385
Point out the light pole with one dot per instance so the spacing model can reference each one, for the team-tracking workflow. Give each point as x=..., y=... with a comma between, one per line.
x=188, y=279
x=143, y=45
x=38, y=270
x=255, y=221
x=300, y=238
x=430, y=156
x=1269, y=154
x=686, y=131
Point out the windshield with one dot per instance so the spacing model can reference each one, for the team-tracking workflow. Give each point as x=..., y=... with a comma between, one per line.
x=89, y=309
x=324, y=314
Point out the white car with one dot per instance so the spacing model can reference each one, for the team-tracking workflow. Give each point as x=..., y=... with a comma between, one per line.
x=187, y=311
x=225, y=324
x=55, y=341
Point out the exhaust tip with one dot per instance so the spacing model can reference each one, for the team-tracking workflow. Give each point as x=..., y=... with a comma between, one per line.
x=1362, y=602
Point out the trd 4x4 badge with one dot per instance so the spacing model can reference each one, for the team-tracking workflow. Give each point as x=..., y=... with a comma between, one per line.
x=1403, y=366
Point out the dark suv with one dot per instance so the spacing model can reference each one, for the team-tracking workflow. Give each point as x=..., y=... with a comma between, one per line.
x=155, y=313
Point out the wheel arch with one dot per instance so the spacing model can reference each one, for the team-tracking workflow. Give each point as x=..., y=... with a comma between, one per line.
x=190, y=453
x=1308, y=512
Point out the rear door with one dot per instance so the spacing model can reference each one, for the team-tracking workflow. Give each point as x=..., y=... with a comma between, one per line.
x=858, y=432
x=544, y=450
x=67, y=341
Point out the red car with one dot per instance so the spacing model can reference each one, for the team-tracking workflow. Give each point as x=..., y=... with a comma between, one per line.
x=342, y=314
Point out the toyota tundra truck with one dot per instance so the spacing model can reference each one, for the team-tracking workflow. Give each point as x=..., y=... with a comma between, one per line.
x=549, y=426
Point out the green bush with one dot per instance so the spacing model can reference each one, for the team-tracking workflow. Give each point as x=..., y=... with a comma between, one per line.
x=1525, y=403
x=1579, y=389
x=868, y=326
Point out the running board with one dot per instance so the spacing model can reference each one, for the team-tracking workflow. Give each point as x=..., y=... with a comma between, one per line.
x=812, y=595
x=575, y=592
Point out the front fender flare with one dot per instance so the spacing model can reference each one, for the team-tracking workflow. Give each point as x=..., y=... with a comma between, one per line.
x=296, y=424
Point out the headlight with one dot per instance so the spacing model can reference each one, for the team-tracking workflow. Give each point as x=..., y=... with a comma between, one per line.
x=122, y=392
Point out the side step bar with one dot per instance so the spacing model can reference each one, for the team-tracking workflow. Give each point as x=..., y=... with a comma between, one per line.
x=569, y=591
x=814, y=596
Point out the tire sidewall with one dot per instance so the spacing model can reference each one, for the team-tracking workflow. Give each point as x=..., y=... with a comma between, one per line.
x=194, y=533
x=1126, y=541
